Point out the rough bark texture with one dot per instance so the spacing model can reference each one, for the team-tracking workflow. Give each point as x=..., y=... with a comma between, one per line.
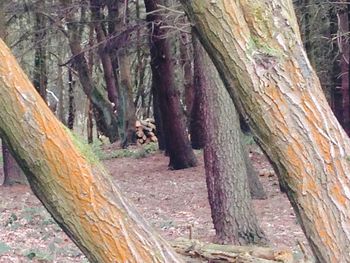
x=65, y=176
x=176, y=137
x=226, y=175
x=257, y=49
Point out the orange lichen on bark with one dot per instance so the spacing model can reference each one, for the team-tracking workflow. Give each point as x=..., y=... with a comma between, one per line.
x=79, y=194
x=338, y=195
x=288, y=106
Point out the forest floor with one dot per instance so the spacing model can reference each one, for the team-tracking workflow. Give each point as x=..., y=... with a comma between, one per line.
x=171, y=201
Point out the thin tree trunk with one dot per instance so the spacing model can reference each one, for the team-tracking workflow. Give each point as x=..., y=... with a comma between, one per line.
x=61, y=110
x=256, y=188
x=197, y=121
x=176, y=137
x=126, y=87
x=257, y=49
x=69, y=180
x=187, y=69
x=343, y=28
x=89, y=123
x=12, y=172
x=103, y=110
x=158, y=115
x=129, y=117
x=71, y=101
x=106, y=60
x=337, y=95
x=40, y=74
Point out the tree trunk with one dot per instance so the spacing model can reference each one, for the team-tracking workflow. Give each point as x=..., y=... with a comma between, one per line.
x=71, y=102
x=343, y=28
x=40, y=74
x=226, y=175
x=91, y=210
x=128, y=117
x=158, y=115
x=187, y=69
x=256, y=188
x=197, y=122
x=61, y=109
x=104, y=113
x=106, y=60
x=129, y=112
x=257, y=49
x=89, y=123
x=176, y=137
x=12, y=172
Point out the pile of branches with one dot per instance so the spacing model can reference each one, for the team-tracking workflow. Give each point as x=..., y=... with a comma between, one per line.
x=145, y=131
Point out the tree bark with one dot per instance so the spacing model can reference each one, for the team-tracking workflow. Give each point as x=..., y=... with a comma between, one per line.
x=257, y=49
x=129, y=117
x=69, y=180
x=226, y=174
x=197, y=122
x=176, y=137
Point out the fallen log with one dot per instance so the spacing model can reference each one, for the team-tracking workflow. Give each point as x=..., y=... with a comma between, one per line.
x=229, y=253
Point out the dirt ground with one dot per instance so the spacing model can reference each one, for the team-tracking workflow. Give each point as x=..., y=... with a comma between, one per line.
x=171, y=201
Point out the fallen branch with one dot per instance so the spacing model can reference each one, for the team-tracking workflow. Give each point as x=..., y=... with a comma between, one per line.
x=229, y=253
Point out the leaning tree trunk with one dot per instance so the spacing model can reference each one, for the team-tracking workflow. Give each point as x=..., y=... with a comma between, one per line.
x=257, y=49
x=226, y=174
x=91, y=210
x=105, y=117
x=176, y=137
x=106, y=60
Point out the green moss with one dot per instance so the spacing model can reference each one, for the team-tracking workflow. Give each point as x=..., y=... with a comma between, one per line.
x=256, y=45
x=84, y=148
